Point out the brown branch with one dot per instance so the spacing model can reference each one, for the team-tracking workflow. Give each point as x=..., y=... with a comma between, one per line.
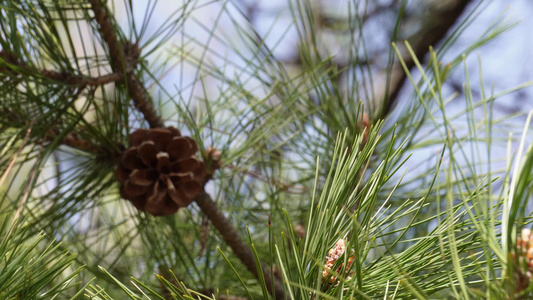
x=73, y=140
x=78, y=80
x=434, y=29
x=123, y=60
x=22, y=68
x=234, y=240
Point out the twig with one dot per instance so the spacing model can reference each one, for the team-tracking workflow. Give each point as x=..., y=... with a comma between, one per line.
x=78, y=80
x=233, y=239
x=73, y=140
x=22, y=68
x=124, y=62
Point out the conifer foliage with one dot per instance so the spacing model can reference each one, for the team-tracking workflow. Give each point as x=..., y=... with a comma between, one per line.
x=155, y=150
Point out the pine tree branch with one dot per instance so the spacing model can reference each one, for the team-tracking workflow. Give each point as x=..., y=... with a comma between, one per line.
x=71, y=139
x=234, y=240
x=433, y=29
x=123, y=59
x=121, y=62
x=84, y=81
x=16, y=67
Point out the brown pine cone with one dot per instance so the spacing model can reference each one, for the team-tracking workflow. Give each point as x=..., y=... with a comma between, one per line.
x=160, y=173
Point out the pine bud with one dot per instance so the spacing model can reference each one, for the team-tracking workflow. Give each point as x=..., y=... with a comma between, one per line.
x=334, y=254
x=523, y=255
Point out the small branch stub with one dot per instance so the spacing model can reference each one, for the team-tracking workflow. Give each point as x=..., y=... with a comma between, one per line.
x=213, y=161
x=124, y=57
x=160, y=173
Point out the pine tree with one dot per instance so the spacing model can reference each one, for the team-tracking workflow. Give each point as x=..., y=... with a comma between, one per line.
x=140, y=160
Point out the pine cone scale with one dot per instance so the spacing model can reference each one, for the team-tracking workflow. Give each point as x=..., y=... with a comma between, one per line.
x=163, y=162
x=178, y=197
x=160, y=137
x=158, y=193
x=138, y=136
x=191, y=188
x=122, y=174
x=147, y=152
x=181, y=177
x=143, y=177
x=131, y=160
x=200, y=172
x=186, y=165
x=134, y=191
x=181, y=146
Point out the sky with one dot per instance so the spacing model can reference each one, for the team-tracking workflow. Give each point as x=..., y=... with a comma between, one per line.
x=505, y=61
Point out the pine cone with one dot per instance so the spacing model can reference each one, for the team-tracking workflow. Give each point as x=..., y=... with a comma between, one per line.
x=160, y=173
